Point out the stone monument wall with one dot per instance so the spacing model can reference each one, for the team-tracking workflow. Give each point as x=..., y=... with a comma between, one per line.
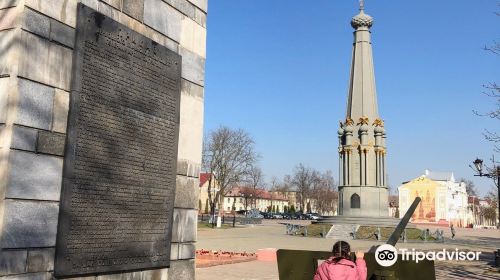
x=37, y=39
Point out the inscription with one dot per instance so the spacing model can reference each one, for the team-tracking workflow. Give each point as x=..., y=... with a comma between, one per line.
x=120, y=165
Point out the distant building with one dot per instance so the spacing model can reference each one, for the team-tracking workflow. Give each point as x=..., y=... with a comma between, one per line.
x=245, y=198
x=203, y=192
x=444, y=200
x=394, y=207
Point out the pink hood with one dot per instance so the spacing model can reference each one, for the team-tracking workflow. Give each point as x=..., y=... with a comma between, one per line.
x=342, y=270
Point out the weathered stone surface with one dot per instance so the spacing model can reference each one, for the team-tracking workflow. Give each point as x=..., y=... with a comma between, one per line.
x=200, y=17
x=186, y=192
x=8, y=18
x=193, y=37
x=191, y=124
x=107, y=10
x=134, y=8
x=8, y=3
x=62, y=33
x=41, y=260
x=50, y=143
x=35, y=104
x=29, y=224
x=36, y=23
x=193, y=66
x=121, y=276
x=33, y=176
x=164, y=18
x=60, y=62
x=188, y=168
x=7, y=45
x=185, y=225
x=133, y=24
x=29, y=276
x=157, y=274
x=183, y=6
x=61, y=10
x=182, y=270
x=60, y=112
x=187, y=251
x=174, y=251
x=91, y=3
x=202, y=4
x=161, y=39
x=24, y=138
x=12, y=262
x=4, y=95
x=190, y=89
x=114, y=3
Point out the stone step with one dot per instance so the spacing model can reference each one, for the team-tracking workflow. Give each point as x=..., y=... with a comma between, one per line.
x=341, y=231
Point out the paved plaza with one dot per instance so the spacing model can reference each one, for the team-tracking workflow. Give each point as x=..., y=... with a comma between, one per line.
x=271, y=234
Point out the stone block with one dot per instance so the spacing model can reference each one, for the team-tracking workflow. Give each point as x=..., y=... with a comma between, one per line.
x=60, y=111
x=183, y=6
x=121, y=276
x=155, y=274
x=107, y=10
x=184, y=225
x=187, y=251
x=161, y=39
x=61, y=10
x=190, y=89
x=188, y=168
x=12, y=262
x=51, y=143
x=33, y=176
x=90, y=3
x=60, y=62
x=132, y=23
x=191, y=124
x=35, y=104
x=193, y=37
x=174, y=251
x=134, y=8
x=200, y=17
x=164, y=18
x=202, y=4
x=62, y=33
x=29, y=224
x=34, y=62
x=41, y=260
x=4, y=96
x=36, y=23
x=193, y=66
x=182, y=270
x=24, y=138
x=8, y=44
x=9, y=18
x=30, y=276
x=114, y=3
x=186, y=192
x=8, y=3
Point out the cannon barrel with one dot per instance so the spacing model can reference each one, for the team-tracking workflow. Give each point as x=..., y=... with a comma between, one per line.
x=402, y=224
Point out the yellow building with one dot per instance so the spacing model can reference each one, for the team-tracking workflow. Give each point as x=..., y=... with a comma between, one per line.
x=444, y=201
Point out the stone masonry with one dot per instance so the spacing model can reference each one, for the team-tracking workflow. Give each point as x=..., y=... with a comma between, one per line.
x=36, y=47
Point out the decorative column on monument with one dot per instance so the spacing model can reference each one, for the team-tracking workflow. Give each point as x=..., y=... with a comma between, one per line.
x=362, y=151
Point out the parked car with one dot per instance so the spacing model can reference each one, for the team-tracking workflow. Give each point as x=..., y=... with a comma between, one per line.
x=277, y=216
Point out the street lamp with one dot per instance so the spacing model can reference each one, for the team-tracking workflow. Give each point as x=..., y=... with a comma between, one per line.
x=478, y=164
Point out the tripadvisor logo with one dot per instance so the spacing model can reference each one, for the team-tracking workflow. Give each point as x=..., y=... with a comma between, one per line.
x=387, y=255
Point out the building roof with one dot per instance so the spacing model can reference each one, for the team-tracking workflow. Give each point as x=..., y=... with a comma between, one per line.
x=259, y=193
x=439, y=176
x=204, y=178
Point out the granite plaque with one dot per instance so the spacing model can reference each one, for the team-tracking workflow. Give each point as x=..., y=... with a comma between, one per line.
x=121, y=151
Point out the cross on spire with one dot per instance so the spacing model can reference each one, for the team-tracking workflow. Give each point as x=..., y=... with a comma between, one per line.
x=361, y=5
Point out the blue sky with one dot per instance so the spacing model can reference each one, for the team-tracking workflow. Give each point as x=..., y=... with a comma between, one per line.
x=280, y=68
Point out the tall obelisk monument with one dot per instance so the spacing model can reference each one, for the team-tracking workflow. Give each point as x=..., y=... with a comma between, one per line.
x=362, y=150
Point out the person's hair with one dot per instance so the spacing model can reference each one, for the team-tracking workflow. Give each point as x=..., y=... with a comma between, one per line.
x=341, y=250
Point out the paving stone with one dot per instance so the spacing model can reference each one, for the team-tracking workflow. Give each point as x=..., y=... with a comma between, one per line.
x=202, y=4
x=4, y=96
x=29, y=224
x=187, y=251
x=41, y=260
x=62, y=33
x=12, y=262
x=24, y=138
x=35, y=104
x=8, y=3
x=193, y=66
x=33, y=176
x=60, y=112
x=7, y=45
x=134, y=8
x=51, y=143
x=186, y=192
x=36, y=23
x=61, y=10
x=9, y=18
x=184, y=225
x=182, y=270
x=164, y=18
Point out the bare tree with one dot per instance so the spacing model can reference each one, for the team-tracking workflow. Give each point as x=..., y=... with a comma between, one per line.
x=255, y=178
x=470, y=188
x=228, y=155
x=303, y=180
x=324, y=192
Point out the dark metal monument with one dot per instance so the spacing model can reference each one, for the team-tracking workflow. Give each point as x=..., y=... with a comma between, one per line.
x=121, y=151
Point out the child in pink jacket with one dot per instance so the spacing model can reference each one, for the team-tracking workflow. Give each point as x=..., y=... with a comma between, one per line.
x=340, y=266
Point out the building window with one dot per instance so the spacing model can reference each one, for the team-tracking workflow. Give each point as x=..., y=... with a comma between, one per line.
x=355, y=201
